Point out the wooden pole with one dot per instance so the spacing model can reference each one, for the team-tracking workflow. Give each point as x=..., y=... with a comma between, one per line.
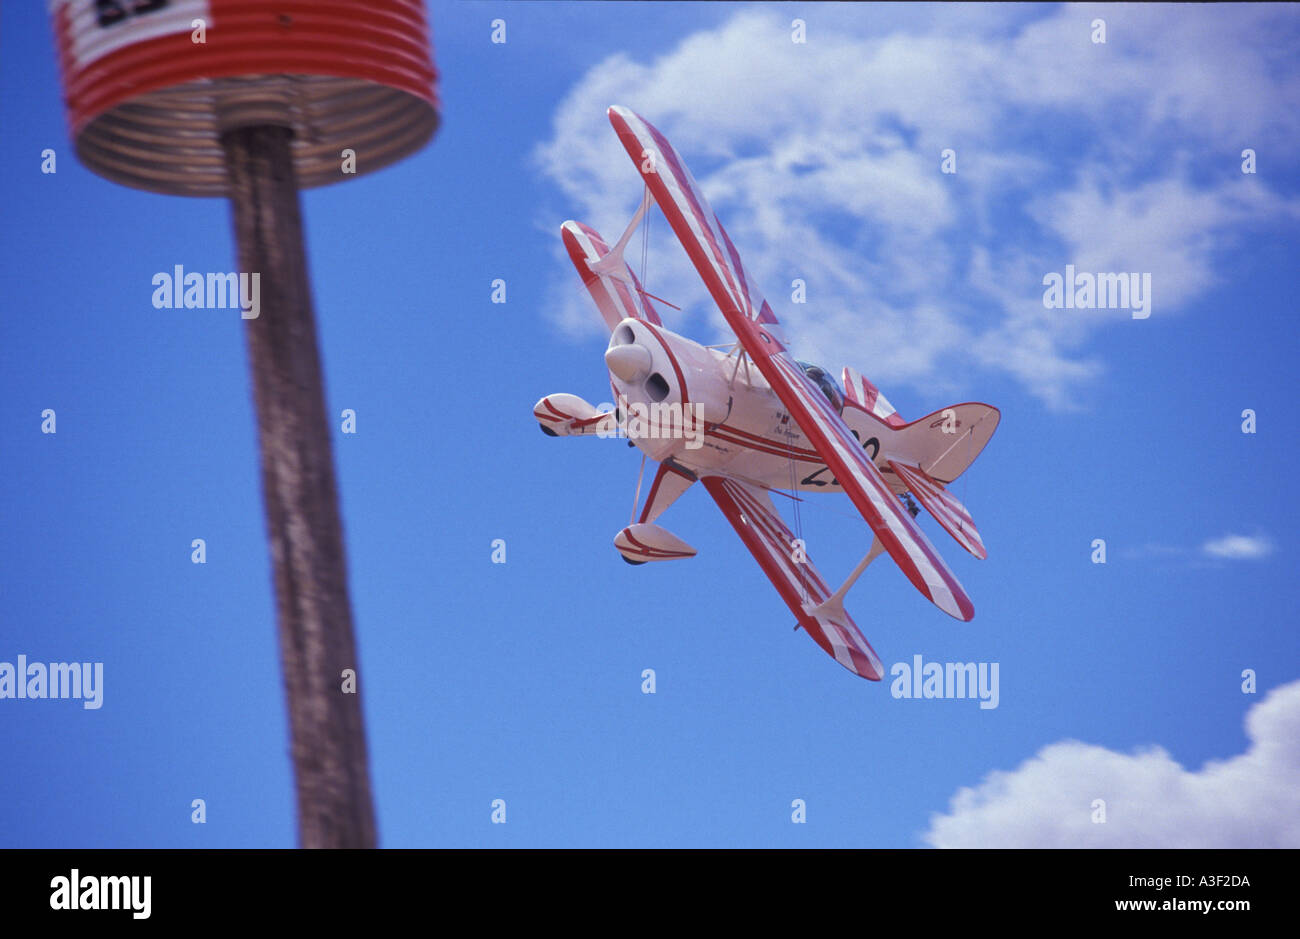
x=328, y=741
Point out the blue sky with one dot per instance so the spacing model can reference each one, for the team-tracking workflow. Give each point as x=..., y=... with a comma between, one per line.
x=522, y=681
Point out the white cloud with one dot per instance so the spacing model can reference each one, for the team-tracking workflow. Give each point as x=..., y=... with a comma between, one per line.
x=1211, y=553
x=1248, y=801
x=823, y=162
x=1239, y=547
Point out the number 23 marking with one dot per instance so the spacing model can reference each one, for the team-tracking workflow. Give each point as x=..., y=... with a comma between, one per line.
x=811, y=480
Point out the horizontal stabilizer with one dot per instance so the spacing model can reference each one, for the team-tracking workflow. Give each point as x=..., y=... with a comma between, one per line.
x=943, y=505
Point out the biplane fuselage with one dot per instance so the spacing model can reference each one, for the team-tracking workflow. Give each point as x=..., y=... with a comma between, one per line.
x=745, y=430
x=748, y=419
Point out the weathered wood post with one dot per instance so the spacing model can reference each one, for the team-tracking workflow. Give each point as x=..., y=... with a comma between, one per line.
x=252, y=100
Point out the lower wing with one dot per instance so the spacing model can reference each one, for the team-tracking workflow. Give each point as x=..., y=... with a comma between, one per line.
x=751, y=513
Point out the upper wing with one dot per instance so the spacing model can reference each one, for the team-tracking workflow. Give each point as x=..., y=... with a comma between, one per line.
x=694, y=223
x=750, y=511
x=618, y=294
x=755, y=325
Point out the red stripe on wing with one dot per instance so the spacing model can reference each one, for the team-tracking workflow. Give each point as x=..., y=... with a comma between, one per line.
x=689, y=215
x=750, y=512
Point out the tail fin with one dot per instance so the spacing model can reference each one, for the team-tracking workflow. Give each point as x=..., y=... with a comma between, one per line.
x=944, y=443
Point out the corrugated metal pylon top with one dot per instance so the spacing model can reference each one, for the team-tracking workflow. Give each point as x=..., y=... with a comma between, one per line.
x=150, y=84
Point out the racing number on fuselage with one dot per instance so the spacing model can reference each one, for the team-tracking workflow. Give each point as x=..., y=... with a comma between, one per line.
x=872, y=444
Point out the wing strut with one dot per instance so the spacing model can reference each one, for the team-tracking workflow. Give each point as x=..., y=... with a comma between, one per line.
x=612, y=264
x=636, y=499
x=834, y=604
x=751, y=513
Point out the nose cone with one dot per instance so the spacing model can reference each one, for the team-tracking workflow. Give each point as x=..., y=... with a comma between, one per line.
x=630, y=362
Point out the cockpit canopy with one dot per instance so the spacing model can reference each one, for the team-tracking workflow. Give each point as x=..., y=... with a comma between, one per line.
x=822, y=379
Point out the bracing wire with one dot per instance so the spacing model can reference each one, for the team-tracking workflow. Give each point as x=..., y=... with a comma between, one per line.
x=798, y=534
x=965, y=485
x=645, y=236
x=637, y=497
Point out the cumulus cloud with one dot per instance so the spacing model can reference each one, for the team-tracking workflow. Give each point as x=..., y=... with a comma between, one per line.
x=1239, y=547
x=823, y=161
x=1248, y=801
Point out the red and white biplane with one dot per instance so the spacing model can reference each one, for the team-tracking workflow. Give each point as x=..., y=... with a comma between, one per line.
x=751, y=419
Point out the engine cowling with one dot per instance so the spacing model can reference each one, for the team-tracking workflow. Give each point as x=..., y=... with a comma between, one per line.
x=666, y=386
